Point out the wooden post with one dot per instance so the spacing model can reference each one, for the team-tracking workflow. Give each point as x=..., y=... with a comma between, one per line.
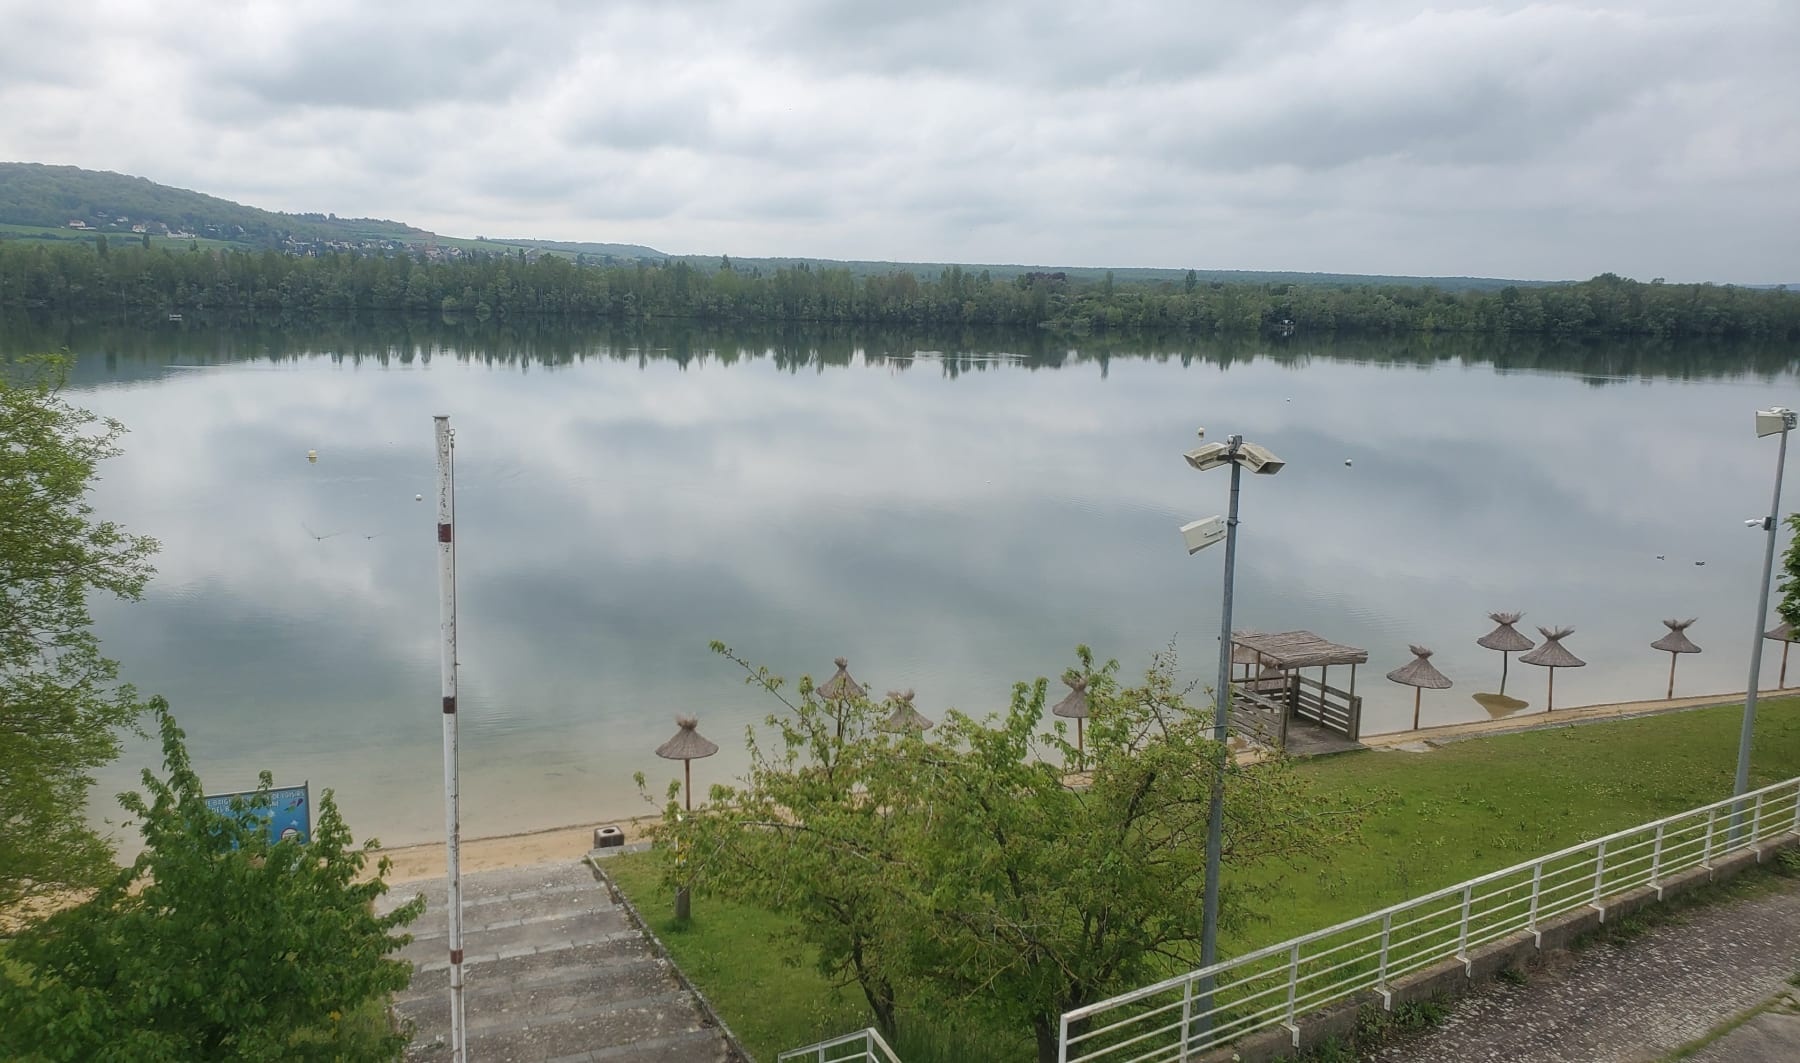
x=1672, y=658
x=1416, y=692
x=687, y=785
x=1504, y=657
x=1550, y=700
x=1782, y=682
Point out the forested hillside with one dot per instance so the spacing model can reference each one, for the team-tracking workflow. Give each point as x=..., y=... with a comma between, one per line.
x=135, y=280
x=32, y=194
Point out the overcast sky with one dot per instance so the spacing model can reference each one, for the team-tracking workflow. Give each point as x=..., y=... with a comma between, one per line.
x=1547, y=140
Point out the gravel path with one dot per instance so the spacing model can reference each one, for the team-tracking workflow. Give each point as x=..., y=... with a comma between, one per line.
x=1631, y=1001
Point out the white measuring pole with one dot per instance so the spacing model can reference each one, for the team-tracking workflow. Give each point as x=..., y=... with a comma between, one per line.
x=446, y=539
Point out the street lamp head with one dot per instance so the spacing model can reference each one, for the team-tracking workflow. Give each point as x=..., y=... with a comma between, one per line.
x=1210, y=456
x=1259, y=459
x=1773, y=420
x=1202, y=533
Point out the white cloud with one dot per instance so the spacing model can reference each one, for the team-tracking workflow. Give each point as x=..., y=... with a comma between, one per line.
x=1517, y=139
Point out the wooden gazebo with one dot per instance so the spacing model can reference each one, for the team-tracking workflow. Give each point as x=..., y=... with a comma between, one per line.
x=1262, y=708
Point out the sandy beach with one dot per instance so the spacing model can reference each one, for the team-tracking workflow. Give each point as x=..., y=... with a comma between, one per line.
x=414, y=862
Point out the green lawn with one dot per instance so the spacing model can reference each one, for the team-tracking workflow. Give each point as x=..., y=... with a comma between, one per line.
x=1435, y=819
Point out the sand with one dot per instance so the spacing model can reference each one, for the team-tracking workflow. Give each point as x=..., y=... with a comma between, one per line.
x=414, y=862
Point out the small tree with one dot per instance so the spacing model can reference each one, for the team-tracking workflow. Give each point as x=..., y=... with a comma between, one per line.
x=216, y=943
x=971, y=871
x=1789, y=605
x=59, y=711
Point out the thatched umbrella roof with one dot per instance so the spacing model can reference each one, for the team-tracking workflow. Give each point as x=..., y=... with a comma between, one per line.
x=1782, y=632
x=687, y=743
x=904, y=716
x=1075, y=705
x=1421, y=672
x=1552, y=654
x=840, y=686
x=1676, y=641
x=1504, y=638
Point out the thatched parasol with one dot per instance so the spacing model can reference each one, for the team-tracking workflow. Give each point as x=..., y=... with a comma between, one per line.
x=687, y=746
x=1784, y=634
x=1075, y=707
x=839, y=689
x=1553, y=655
x=840, y=686
x=904, y=716
x=1504, y=639
x=1421, y=675
x=1675, y=643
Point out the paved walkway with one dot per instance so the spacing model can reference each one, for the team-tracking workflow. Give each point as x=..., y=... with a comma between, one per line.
x=552, y=971
x=1629, y=1002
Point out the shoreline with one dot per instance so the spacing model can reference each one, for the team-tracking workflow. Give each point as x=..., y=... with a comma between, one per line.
x=425, y=860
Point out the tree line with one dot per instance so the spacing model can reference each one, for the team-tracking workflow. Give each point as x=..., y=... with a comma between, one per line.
x=134, y=279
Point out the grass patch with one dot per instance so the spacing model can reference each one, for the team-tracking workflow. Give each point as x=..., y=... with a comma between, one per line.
x=1435, y=819
x=1479, y=805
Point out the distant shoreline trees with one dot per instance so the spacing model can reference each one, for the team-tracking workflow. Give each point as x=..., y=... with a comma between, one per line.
x=139, y=280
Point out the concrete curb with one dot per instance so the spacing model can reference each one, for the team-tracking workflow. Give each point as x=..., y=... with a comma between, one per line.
x=1455, y=978
x=738, y=1053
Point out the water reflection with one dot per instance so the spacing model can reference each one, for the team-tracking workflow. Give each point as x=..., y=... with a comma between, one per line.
x=951, y=522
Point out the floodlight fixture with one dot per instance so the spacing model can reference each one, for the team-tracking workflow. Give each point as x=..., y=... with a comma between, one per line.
x=1210, y=456
x=1258, y=459
x=1202, y=533
x=1774, y=419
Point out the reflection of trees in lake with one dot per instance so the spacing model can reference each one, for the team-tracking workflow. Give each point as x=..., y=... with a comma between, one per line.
x=128, y=349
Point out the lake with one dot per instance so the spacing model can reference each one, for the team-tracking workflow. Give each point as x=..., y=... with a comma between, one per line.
x=952, y=514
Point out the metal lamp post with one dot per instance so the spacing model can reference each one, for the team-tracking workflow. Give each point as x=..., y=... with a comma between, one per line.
x=1776, y=419
x=1199, y=535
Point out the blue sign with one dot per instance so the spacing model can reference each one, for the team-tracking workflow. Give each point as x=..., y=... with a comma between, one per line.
x=289, y=811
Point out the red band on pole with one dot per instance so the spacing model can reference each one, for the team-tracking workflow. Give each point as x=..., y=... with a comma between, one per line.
x=449, y=706
x=456, y=956
x=443, y=533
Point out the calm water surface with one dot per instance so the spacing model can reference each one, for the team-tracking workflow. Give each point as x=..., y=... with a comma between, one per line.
x=951, y=523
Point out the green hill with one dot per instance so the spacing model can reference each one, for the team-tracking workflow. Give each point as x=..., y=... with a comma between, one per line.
x=52, y=198
x=40, y=202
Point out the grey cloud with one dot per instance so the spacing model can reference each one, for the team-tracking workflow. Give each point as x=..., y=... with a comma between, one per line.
x=1461, y=136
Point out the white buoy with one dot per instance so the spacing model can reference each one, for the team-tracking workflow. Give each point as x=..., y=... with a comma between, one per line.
x=312, y=456
x=1346, y=463
x=418, y=498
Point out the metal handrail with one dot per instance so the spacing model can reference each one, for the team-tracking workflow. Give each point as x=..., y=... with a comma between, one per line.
x=1273, y=986
x=863, y=1046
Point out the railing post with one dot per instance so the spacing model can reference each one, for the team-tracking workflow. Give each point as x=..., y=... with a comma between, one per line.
x=1656, y=860
x=1387, y=936
x=1537, y=887
x=1462, y=932
x=1794, y=827
x=1756, y=820
x=1599, y=870
x=1293, y=990
x=1187, y=1019
x=1712, y=821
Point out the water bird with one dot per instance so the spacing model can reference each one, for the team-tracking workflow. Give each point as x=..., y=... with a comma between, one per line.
x=1699, y=562
x=312, y=456
x=1346, y=463
x=1662, y=557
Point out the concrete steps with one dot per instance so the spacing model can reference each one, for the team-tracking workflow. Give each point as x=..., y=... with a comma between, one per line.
x=554, y=972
